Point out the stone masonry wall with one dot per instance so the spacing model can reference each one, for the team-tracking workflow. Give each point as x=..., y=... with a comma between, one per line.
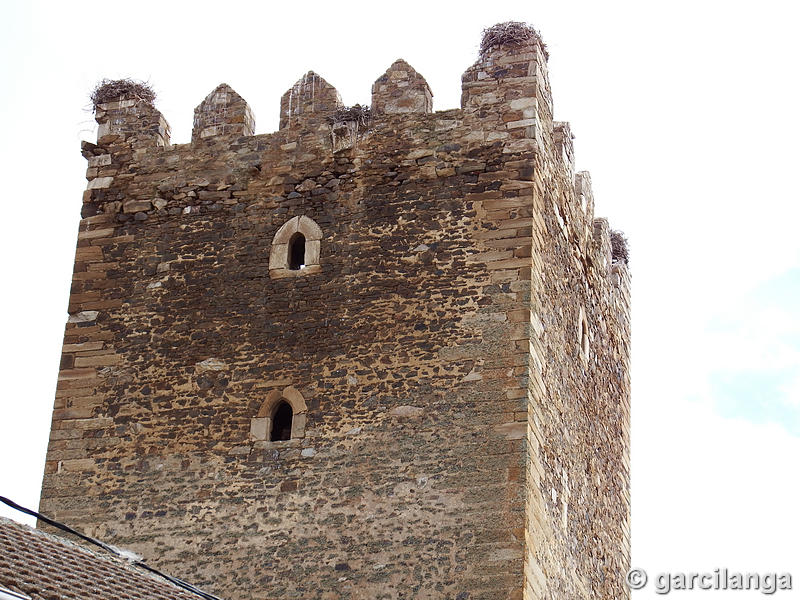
x=457, y=438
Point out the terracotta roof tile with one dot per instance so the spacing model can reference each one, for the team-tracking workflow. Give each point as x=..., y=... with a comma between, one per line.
x=46, y=567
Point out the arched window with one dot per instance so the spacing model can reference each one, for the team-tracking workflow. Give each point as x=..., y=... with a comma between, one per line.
x=297, y=251
x=281, y=418
x=281, y=423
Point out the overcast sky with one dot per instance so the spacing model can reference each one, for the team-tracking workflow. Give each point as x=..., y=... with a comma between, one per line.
x=685, y=113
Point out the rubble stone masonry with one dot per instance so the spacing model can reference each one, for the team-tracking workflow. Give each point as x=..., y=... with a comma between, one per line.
x=455, y=349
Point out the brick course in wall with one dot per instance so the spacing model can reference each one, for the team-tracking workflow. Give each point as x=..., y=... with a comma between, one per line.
x=456, y=350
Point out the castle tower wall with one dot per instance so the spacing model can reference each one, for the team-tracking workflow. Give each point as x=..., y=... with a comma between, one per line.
x=431, y=302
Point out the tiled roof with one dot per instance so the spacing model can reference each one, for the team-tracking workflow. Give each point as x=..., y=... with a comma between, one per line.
x=46, y=567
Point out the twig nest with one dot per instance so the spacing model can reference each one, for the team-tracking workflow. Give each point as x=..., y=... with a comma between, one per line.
x=109, y=90
x=357, y=113
x=510, y=33
x=619, y=247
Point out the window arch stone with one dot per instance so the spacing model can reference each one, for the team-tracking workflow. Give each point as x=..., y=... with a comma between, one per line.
x=261, y=424
x=280, y=261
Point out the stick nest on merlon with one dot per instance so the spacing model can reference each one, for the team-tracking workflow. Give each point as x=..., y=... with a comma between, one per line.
x=619, y=247
x=113, y=89
x=510, y=33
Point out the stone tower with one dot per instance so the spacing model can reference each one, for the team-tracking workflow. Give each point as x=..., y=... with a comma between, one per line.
x=375, y=354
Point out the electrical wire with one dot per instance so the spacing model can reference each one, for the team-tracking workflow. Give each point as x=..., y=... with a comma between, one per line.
x=111, y=549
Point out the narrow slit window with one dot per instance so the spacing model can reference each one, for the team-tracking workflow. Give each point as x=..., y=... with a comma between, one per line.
x=297, y=252
x=282, y=423
x=583, y=337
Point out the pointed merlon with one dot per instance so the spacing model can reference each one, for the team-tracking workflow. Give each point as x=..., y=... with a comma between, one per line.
x=401, y=90
x=223, y=112
x=562, y=139
x=311, y=99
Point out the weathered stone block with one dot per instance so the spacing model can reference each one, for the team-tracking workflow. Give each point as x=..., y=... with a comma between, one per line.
x=258, y=428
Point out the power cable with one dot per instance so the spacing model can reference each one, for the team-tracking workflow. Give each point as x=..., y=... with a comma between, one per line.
x=111, y=549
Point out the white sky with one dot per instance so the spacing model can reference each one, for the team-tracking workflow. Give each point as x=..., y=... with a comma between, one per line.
x=686, y=114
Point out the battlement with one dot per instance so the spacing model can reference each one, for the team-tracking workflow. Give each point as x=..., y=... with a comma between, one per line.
x=506, y=74
x=386, y=347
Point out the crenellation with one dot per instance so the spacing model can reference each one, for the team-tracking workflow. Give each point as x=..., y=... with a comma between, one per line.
x=584, y=194
x=429, y=294
x=401, y=90
x=562, y=139
x=509, y=83
x=223, y=113
x=309, y=102
x=132, y=120
x=601, y=233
